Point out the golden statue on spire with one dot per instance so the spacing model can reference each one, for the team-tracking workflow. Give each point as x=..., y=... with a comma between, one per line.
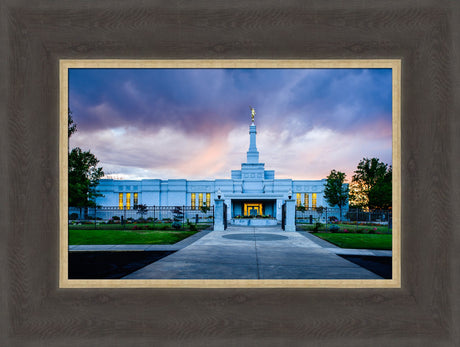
x=253, y=113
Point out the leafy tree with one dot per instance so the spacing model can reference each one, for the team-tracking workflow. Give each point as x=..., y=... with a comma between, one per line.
x=380, y=196
x=71, y=124
x=84, y=174
x=372, y=184
x=336, y=192
x=84, y=177
x=356, y=197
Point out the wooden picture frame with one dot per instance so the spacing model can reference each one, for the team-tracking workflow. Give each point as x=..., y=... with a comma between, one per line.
x=423, y=312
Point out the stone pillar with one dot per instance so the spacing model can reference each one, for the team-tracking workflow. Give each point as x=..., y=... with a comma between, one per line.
x=219, y=215
x=290, y=215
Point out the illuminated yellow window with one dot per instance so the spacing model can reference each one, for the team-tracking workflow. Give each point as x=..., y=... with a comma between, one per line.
x=208, y=199
x=135, y=199
x=193, y=201
x=306, y=200
x=120, y=201
x=200, y=199
x=299, y=199
x=252, y=209
x=313, y=200
x=128, y=201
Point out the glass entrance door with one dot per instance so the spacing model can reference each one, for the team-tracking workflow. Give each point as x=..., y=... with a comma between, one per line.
x=252, y=209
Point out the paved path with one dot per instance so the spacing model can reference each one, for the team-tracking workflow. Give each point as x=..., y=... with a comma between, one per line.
x=254, y=253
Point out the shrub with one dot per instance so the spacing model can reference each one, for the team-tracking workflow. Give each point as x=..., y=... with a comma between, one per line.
x=73, y=216
x=205, y=208
x=334, y=229
x=317, y=226
x=115, y=218
x=300, y=208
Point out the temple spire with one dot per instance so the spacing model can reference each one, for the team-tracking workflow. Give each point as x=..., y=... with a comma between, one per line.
x=252, y=154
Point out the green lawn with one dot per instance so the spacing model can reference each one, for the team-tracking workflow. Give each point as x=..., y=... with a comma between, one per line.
x=362, y=241
x=127, y=237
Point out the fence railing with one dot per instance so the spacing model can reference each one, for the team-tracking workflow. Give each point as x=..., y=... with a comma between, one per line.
x=151, y=213
x=352, y=216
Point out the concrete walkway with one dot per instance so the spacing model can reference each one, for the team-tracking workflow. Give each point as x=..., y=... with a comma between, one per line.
x=254, y=253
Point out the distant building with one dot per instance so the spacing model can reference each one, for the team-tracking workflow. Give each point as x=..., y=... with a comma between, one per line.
x=252, y=190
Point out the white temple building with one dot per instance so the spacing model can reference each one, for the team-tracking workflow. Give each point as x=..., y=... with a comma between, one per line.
x=251, y=190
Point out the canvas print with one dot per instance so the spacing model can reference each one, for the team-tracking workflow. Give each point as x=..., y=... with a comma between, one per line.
x=230, y=173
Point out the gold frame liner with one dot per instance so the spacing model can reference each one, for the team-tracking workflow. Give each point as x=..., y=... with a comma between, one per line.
x=394, y=64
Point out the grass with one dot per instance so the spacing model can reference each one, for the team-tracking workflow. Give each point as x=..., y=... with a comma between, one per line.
x=360, y=241
x=127, y=237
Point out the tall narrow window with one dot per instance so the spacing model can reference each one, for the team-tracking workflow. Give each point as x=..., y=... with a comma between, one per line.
x=193, y=201
x=299, y=199
x=200, y=199
x=135, y=199
x=208, y=199
x=313, y=200
x=128, y=201
x=120, y=201
x=306, y=200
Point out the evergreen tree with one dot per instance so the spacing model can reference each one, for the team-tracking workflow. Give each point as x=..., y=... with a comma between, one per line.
x=178, y=217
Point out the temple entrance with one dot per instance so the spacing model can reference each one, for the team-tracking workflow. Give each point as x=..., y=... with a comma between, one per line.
x=251, y=209
x=253, y=212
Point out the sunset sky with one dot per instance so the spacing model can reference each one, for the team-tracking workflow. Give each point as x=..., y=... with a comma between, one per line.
x=193, y=123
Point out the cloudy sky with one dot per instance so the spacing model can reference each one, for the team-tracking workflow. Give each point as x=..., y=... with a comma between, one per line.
x=193, y=123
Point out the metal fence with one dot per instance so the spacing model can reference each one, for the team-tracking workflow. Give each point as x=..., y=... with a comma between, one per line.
x=152, y=213
x=351, y=216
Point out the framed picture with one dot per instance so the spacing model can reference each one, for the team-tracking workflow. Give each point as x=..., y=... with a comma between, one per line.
x=37, y=309
x=193, y=108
